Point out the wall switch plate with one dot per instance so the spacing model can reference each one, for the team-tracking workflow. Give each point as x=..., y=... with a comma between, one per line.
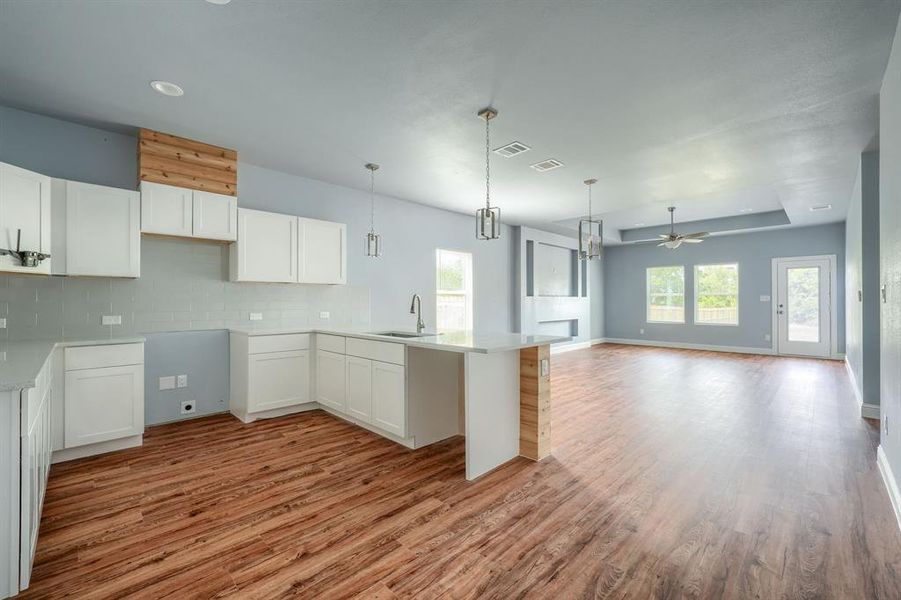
x=111, y=320
x=182, y=381
x=256, y=316
x=544, y=367
x=767, y=337
x=641, y=331
x=188, y=407
x=167, y=382
x=324, y=314
x=2, y=323
x=764, y=298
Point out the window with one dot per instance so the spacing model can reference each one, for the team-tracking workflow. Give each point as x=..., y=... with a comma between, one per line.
x=454, y=290
x=666, y=295
x=716, y=294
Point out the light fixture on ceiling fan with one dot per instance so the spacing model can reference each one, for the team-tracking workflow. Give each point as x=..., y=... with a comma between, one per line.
x=673, y=240
x=488, y=219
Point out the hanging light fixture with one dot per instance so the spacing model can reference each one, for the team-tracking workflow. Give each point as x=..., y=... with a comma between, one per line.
x=488, y=219
x=591, y=232
x=373, y=241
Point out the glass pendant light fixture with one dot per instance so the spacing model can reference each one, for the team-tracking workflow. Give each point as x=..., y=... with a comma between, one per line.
x=591, y=232
x=488, y=219
x=373, y=241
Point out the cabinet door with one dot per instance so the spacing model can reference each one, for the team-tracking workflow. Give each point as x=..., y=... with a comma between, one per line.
x=359, y=388
x=215, y=216
x=103, y=233
x=103, y=404
x=330, y=379
x=266, y=249
x=278, y=379
x=322, y=251
x=166, y=209
x=25, y=205
x=34, y=468
x=389, y=398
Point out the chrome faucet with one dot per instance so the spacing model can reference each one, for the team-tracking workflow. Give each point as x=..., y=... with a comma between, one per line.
x=416, y=309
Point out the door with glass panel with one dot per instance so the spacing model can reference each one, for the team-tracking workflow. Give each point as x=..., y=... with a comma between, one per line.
x=803, y=306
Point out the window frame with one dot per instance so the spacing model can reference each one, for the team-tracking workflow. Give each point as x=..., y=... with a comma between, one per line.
x=467, y=293
x=697, y=305
x=647, y=295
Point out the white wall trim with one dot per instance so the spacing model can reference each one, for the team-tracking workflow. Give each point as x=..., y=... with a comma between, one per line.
x=833, y=300
x=857, y=391
x=890, y=484
x=867, y=410
x=561, y=348
x=685, y=346
x=870, y=411
x=597, y=341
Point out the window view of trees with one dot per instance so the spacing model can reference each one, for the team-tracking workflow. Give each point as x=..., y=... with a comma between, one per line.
x=716, y=294
x=454, y=290
x=803, y=299
x=666, y=294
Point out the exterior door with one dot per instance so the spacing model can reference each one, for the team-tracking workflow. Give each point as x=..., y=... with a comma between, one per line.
x=804, y=306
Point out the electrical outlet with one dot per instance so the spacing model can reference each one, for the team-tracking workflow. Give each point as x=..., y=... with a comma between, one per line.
x=188, y=407
x=111, y=320
x=641, y=331
x=764, y=298
x=167, y=382
x=2, y=323
x=256, y=316
x=325, y=315
x=182, y=381
x=767, y=337
x=885, y=424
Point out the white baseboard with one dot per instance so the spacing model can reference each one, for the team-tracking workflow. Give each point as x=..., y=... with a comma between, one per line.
x=597, y=341
x=870, y=411
x=867, y=411
x=275, y=412
x=561, y=348
x=890, y=484
x=94, y=449
x=685, y=346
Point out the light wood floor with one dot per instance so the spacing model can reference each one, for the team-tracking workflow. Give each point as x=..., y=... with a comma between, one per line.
x=675, y=474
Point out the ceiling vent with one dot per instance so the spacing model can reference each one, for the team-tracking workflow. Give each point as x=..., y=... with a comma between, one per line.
x=547, y=165
x=821, y=207
x=512, y=149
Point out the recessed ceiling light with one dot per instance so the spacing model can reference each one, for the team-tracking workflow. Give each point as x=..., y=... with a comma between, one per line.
x=167, y=88
x=746, y=210
x=821, y=207
x=219, y=1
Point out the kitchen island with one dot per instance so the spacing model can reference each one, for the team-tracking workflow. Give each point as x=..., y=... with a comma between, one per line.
x=494, y=389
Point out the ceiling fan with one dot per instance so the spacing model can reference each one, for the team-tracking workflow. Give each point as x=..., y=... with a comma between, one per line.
x=673, y=240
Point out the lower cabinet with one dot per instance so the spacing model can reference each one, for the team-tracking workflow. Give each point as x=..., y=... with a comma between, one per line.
x=103, y=404
x=330, y=379
x=389, y=407
x=359, y=388
x=278, y=379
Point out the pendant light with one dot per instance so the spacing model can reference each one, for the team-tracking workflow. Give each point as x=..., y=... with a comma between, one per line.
x=488, y=219
x=373, y=241
x=591, y=232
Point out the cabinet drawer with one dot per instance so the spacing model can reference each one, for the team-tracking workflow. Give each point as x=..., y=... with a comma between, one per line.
x=331, y=343
x=278, y=343
x=111, y=355
x=373, y=350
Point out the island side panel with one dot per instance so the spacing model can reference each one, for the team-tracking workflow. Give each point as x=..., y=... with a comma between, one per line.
x=491, y=411
x=535, y=402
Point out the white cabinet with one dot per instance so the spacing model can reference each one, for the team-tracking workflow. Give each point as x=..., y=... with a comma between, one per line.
x=103, y=231
x=389, y=405
x=104, y=393
x=176, y=211
x=269, y=374
x=359, y=388
x=25, y=206
x=278, y=379
x=266, y=249
x=35, y=451
x=322, y=251
x=330, y=379
x=215, y=216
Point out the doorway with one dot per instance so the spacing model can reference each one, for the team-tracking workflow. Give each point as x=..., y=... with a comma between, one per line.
x=803, y=311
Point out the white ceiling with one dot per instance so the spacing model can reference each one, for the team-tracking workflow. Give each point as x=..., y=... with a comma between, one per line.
x=713, y=106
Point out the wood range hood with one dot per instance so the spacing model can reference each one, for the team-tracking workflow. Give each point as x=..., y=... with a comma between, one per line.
x=178, y=161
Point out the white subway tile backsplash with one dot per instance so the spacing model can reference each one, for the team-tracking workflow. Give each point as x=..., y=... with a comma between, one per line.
x=183, y=287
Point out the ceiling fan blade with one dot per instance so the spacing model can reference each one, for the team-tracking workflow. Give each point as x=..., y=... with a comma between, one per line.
x=662, y=244
x=692, y=240
x=699, y=234
x=664, y=236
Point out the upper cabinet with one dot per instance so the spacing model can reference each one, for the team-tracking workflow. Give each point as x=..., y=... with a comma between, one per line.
x=25, y=208
x=322, y=251
x=266, y=248
x=103, y=231
x=171, y=210
x=286, y=249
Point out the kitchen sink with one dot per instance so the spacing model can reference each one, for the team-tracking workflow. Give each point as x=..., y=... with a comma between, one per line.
x=403, y=334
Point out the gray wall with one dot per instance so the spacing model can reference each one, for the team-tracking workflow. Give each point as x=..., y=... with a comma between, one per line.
x=184, y=284
x=624, y=284
x=890, y=255
x=862, y=280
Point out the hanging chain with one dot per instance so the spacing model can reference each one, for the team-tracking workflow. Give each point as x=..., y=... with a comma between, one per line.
x=487, y=162
x=372, y=200
x=589, y=202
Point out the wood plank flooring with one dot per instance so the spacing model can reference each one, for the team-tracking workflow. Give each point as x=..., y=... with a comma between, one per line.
x=674, y=474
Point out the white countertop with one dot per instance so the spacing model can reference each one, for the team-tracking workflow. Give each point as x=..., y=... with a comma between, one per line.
x=460, y=341
x=20, y=362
